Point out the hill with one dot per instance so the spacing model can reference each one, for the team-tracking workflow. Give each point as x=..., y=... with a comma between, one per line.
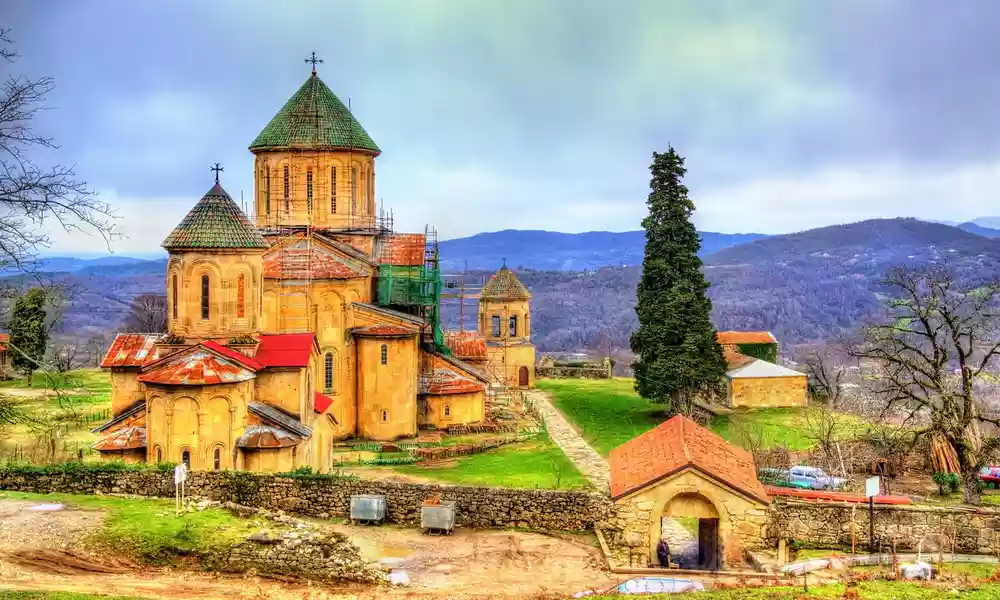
x=70, y=264
x=550, y=250
x=972, y=227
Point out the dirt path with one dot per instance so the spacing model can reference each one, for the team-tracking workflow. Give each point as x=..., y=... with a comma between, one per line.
x=40, y=550
x=587, y=460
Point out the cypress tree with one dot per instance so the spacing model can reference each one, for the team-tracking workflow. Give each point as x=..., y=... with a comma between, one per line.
x=678, y=357
x=27, y=331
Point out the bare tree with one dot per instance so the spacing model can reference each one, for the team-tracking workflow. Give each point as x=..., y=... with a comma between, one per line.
x=826, y=365
x=147, y=314
x=31, y=195
x=64, y=357
x=95, y=348
x=932, y=351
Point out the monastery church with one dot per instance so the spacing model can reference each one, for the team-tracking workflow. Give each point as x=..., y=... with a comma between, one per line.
x=313, y=324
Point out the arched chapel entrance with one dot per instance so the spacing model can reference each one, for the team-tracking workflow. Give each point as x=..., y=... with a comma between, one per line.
x=689, y=523
x=522, y=377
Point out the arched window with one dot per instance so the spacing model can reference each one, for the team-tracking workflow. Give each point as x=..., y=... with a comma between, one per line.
x=371, y=186
x=385, y=415
x=204, y=297
x=513, y=326
x=217, y=458
x=309, y=190
x=328, y=371
x=447, y=410
x=173, y=294
x=288, y=204
x=186, y=458
x=241, y=292
x=159, y=454
x=354, y=190
x=496, y=326
x=385, y=354
x=267, y=191
x=333, y=190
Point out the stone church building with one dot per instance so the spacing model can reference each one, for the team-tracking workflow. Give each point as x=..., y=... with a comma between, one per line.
x=313, y=324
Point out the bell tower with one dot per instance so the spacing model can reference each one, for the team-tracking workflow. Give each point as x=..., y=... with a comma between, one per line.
x=505, y=322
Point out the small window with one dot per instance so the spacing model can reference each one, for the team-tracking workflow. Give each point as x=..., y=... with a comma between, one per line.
x=513, y=326
x=385, y=415
x=371, y=187
x=241, y=291
x=354, y=190
x=159, y=454
x=385, y=354
x=173, y=295
x=333, y=190
x=267, y=191
x=217, y=458
x=288, y=204
x=309, y=190
x=186, y=458
x=496, y=326
x=204, y=297
x=328, y=371
x=447, y=410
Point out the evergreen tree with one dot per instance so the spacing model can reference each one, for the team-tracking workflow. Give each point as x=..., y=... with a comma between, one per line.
x=28, y=334
x=677, y=354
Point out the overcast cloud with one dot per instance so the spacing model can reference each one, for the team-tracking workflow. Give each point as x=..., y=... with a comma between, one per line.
x=538, y=115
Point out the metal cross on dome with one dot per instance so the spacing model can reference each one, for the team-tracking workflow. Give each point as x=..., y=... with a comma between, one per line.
x=312, y=59
x=217, y=168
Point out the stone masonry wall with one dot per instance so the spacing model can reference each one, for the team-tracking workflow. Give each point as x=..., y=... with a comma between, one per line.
x=970, y=530
x=329, y=497
x=556, y=372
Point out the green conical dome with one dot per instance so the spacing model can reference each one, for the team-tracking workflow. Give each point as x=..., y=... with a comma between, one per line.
x=314, y=118
x=215, y=222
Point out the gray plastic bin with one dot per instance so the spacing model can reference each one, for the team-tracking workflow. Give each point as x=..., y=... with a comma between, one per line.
x=438, y=518
x=368, y=508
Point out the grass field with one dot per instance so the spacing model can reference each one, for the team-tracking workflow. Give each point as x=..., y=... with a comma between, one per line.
x=149, y=529
x=536, y=463
x=867, y=590
x=58, y=596
x=609, y=413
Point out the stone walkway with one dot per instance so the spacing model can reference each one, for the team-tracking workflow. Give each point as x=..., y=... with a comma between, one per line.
x=586, y=459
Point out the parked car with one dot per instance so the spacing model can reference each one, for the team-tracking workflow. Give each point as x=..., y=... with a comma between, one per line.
x=814, y=478
x=990, y=476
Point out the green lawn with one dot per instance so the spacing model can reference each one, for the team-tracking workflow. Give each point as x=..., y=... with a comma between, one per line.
x=609, y=413
x=867, y=590
x=149, y=529
x=536, y=463
x=58, y=596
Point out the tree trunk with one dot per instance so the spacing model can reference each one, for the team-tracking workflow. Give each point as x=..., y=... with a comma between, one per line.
x=970, y=480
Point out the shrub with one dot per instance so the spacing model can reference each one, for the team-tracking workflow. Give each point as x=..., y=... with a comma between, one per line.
x=948, y=483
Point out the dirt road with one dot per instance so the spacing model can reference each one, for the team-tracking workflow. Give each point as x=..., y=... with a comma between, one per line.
x=40, y=550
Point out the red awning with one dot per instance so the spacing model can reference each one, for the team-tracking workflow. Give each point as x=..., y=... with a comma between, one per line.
x=321, y=402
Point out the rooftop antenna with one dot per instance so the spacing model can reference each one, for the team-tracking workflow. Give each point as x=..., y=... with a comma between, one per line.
x=217, y=168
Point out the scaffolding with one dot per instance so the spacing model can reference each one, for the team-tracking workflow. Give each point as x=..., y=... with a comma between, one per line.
x=409, y=279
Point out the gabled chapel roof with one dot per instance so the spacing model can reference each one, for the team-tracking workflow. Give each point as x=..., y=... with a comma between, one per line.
x=215, y=222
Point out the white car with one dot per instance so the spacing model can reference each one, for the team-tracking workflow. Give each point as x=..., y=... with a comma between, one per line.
x=814, y=478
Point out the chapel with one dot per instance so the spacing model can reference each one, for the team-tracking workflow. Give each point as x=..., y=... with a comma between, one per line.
x=307, y=323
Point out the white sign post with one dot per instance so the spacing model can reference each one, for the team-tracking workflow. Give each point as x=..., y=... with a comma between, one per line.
x=872, y=487
x=180, y=476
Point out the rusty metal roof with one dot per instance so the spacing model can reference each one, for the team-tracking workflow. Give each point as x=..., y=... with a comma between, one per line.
x=462, y=366
x=126, y=438
x=466, y=344
x=385, y=331
x=234, y=355
x=131, y=350
x=728, y=338
x=388, y=312
x=441, y=382
x=198, y=366
x=300, y=259
x=267, y=436
x=280, y=418
x=403, y=249
x=132, y=410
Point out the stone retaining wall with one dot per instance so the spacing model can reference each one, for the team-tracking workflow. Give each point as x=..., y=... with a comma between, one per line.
x=329, y=497
x=555, y=372
x=969, y=530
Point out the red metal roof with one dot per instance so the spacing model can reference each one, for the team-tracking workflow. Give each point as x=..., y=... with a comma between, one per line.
x=441, y=382
x=126, y=438
x=677, y=444
x=131, y=350
x=235, y=355
x=4, y=338
x=821, y=495
x=731, y=338
x=403, y=249
x=385, y=330
x=286, y=349
x=321, y=402
x=302, y=260
x=199, y=366
x=466, y=344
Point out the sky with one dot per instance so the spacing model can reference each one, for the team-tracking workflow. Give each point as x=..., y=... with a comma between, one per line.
x=536, y=115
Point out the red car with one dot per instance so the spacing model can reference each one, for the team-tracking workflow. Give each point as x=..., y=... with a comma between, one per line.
x=990, y=476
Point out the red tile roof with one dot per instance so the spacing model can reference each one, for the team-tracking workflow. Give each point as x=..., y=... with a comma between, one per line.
x=466, y=344
x=131, y=350
x=730, y=338
x=234, y=355
x=286, y=349
x=441, y=382
x=302, y=260
x=199, y=366
x=385, y=330
x=321, y=402
x=677, y=444
x=127, y=438
x=735, y=360
x=403, y=249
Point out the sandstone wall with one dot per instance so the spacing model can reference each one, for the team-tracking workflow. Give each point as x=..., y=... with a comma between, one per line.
x=329, y=497
x=970, y=530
